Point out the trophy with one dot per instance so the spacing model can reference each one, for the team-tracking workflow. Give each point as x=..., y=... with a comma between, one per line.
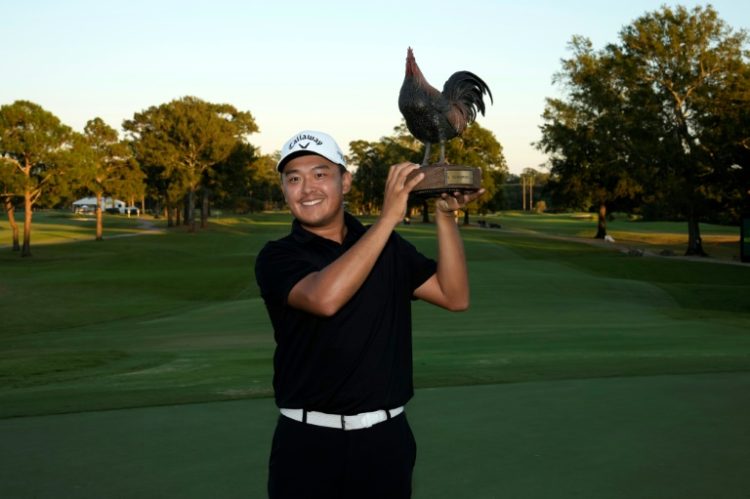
x=435, y=117
x=442, y=177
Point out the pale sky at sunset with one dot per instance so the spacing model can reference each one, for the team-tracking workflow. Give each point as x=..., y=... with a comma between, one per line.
x=332, y=66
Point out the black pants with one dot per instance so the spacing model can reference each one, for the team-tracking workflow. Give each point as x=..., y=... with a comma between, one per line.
x=314, y=462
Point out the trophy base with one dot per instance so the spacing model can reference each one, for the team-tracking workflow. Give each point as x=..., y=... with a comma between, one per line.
x=442, y=177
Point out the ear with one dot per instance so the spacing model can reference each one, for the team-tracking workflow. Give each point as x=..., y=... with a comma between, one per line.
x=346, y=182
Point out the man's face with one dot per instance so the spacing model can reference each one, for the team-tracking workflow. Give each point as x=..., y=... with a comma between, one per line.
x=314, y=189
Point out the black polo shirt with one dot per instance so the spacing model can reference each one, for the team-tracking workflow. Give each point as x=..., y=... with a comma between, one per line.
x=360, y=359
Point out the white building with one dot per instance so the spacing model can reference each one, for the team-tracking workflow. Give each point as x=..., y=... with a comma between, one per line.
x=89, y=204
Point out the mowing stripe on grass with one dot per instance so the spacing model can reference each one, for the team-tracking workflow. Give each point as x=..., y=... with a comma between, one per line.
x=671, y=437
x=177, y=318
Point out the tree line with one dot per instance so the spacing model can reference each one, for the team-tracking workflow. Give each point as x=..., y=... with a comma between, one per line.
x=477, y=147
x=657, y=123
x=183, y=157
x=171, y=152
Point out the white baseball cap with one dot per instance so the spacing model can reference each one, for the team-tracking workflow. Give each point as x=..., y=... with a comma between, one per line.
x=311, y=142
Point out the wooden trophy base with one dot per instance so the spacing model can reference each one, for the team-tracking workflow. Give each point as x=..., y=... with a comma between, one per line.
x=442, y=177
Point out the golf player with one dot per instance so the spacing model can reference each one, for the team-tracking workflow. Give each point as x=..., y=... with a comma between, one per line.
x=339, y=298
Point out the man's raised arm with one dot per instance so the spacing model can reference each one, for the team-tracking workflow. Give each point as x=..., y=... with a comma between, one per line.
x=449, y=287
x=326, y=291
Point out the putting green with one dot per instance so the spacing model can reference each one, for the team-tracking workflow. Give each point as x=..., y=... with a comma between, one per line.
x=642, y=437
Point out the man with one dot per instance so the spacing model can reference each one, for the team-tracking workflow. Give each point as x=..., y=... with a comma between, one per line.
x=339, y=298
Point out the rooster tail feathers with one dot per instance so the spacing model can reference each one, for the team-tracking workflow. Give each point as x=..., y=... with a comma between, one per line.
x=466, y=90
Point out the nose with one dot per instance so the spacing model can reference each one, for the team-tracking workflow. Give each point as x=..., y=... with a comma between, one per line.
x=307, y=185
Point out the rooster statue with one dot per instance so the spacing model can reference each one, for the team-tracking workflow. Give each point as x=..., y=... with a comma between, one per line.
x=433, y=116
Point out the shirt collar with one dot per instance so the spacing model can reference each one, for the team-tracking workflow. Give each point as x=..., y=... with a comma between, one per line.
x=354, y=228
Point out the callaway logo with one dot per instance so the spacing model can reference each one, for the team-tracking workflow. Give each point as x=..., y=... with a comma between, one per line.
x=304, y=136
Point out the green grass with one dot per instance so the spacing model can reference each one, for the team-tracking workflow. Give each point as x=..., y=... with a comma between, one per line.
x=720, y=242
x=584, y=224
x=671, y=437
x=579, y=372
x=176, y=317
x=54, y=227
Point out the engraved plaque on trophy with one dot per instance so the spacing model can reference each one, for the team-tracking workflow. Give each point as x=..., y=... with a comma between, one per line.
x=440, y=178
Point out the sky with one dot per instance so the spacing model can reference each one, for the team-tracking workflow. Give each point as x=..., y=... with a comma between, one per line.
x=333, y=66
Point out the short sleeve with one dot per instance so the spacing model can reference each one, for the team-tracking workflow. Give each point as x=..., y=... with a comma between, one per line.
x=278, y=268
x=420, y=267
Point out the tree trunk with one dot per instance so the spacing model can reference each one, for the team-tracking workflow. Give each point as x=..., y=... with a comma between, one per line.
x=143, y=205
x=177, y=215
x=204, y=209
x=99, y=216
x=11, y=211
x=466, y=216
x=695, y=244
x=601, y=223
x=523, y=193
x=170, y=215
x=27, y=204
x=190, y=219
x=184, y=211
x=425, y=212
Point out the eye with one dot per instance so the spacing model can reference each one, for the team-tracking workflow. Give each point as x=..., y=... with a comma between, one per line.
x=320, y=175
x=292, y=179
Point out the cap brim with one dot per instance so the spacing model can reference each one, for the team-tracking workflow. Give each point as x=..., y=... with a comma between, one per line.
x=296, y=154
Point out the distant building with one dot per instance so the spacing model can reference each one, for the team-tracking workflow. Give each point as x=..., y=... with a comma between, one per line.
x=86, y=205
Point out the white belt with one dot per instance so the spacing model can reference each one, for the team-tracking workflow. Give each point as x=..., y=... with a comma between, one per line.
x=339, y=421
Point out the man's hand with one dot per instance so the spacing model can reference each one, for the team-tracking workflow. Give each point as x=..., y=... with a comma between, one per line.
x=324, y=292
x=448, y=204
x=397, y=189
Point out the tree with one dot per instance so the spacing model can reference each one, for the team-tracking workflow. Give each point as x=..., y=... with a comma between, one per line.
x=232, y=183
x=727, y=140
x=32, y=140
x=10, y=187
x=185, y=138
x=648, y=117
x=679, y=63
x=589, y=135
x=265, y=185
x=478, y=147
x=373, y=160
x=127, y=180
x=103, y=164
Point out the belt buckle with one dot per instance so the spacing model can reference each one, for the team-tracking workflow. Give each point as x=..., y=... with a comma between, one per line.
x=369, y=419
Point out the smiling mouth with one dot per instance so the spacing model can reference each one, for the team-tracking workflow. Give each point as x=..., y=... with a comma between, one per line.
x=312, y=203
